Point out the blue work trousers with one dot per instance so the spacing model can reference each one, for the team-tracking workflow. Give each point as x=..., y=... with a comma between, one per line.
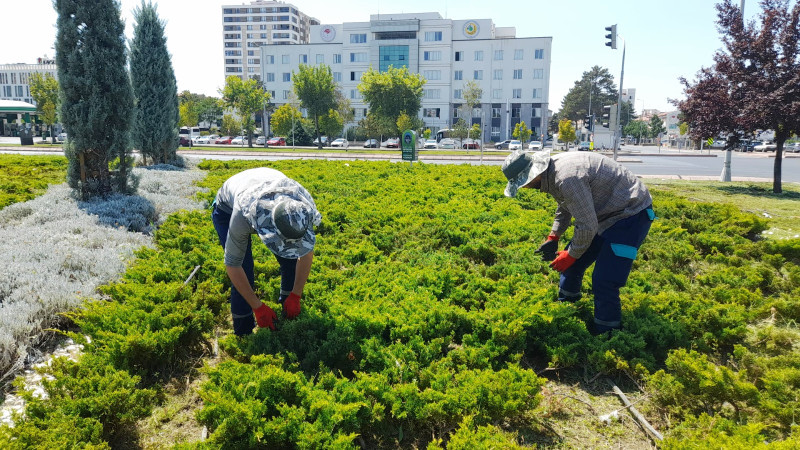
x=613, y=253
x=243, y=320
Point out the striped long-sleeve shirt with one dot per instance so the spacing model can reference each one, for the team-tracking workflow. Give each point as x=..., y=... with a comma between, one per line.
x=594, y=190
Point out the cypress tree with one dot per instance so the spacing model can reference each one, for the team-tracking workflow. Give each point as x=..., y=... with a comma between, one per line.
x=155, y=129
x=96, y=95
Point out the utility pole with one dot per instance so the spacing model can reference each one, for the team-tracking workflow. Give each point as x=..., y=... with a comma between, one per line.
x=612, y=42
x=726, y=165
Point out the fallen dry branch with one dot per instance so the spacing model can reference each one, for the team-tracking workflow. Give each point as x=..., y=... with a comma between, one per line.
x=652, y=432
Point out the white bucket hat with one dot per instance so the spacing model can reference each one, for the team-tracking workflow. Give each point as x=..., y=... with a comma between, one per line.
x=521, y=167
x=284, y=215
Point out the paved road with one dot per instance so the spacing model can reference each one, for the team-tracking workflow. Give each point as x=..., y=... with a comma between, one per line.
x=643, y=161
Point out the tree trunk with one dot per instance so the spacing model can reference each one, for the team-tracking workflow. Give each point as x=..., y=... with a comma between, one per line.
x=776, y=171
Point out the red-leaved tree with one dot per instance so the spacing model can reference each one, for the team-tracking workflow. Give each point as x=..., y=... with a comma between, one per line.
x=754, y=83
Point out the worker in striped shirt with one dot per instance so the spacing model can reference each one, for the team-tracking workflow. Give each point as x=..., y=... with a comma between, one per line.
x=612, y=210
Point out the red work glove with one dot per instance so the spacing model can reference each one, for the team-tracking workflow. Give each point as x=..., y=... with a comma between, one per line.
x=291, y=306
x=552, y=237
x=562, y=261
x=265, y=317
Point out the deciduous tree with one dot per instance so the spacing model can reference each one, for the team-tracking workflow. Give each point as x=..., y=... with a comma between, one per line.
x=522, y=132
x=656, y=127
x=96, y=94
x=283, y=118
x=753, y=83
x=391, y=93
x=155, y=128
x=316, y=91
x=44, y=90
x=566, y=131
x=247, y=98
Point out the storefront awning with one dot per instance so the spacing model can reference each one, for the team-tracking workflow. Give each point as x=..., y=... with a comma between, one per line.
x=16, y=107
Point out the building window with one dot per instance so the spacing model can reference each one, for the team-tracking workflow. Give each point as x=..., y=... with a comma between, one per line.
x=458, y=75
x=337, y=58
x=337, y=77
x=515, y=111
x=320, y=58
x=478, y=55
x=432, y=74
x=284, y=59
x=353, y=76
x=538, y=74
x=498, y=74
x=286, y=95
x=431, y=94
x=430, y=112
x=517, y=74
x=358, y=57
x=360, y=38
x=537, y=93
x=495, y=113
x=459, y=56
x=497, y=93
x=432, y=56
x=498, y=55
x=476, y=112
x=539, y=53
x=516, y=93
x=252, y=61
x=269, y=59
x=302, y=59
x=518, y=53
x=457, y=93
x=537, y=112
x=354, y=94
x=433, y=36
x=270, y=77
x=392, y=55
x=477, y=75
x=495, y=132
x=287, y=77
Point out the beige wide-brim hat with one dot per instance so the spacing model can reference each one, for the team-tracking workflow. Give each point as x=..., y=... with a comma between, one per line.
x=283, y=214
x=521, y=167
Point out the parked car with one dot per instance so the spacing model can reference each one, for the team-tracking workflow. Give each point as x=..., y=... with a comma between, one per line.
x=239, y=140
x=371, y=143
x=261, y=140
x=279, y=141
x=502, y=145
x=202, y=140
x=765, y=147
x=61, y=137
x=341, y=142
x=224, y=140
x=212, y=138
x=184, y=141
x=324, y=141
x=584, y=146
x=515, y=145
x=471, y=144
x=794, y=148
x=391, y=143
x=745, y=145
x=447, y=143
x=535, y=145
x=430, y=144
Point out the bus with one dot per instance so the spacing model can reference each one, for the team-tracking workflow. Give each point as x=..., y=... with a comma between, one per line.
x=444, y=133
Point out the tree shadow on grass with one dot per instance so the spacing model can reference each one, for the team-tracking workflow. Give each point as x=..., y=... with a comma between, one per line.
x=129, y=212
x=758, y=191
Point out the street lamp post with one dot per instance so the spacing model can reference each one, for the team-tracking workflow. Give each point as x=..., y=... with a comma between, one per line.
x=726, y=166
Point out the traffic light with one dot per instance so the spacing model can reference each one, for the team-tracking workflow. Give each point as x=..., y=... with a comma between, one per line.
x=606, y=116
x=589, y=120
x=612, y=36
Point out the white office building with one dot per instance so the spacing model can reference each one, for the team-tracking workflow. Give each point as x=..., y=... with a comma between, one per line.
x=513, y=73
x=246, y=28
x=15, y=86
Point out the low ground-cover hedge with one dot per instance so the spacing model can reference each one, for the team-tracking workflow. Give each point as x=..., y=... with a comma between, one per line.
x=427, y=314
x=24, y=177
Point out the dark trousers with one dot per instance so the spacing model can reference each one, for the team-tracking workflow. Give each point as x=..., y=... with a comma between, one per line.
x=243, y=320
x=613, y=253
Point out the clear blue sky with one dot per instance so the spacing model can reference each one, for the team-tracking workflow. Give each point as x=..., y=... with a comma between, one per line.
x=665, y=40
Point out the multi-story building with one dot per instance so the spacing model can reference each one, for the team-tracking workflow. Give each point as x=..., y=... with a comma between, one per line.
x=512, y=73
x=245, y=28
x=15, y=82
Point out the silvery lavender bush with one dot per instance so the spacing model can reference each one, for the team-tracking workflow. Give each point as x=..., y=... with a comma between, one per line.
x=57, y=250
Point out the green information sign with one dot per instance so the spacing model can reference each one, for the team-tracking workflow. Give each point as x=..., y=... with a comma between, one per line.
x=408, y=143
